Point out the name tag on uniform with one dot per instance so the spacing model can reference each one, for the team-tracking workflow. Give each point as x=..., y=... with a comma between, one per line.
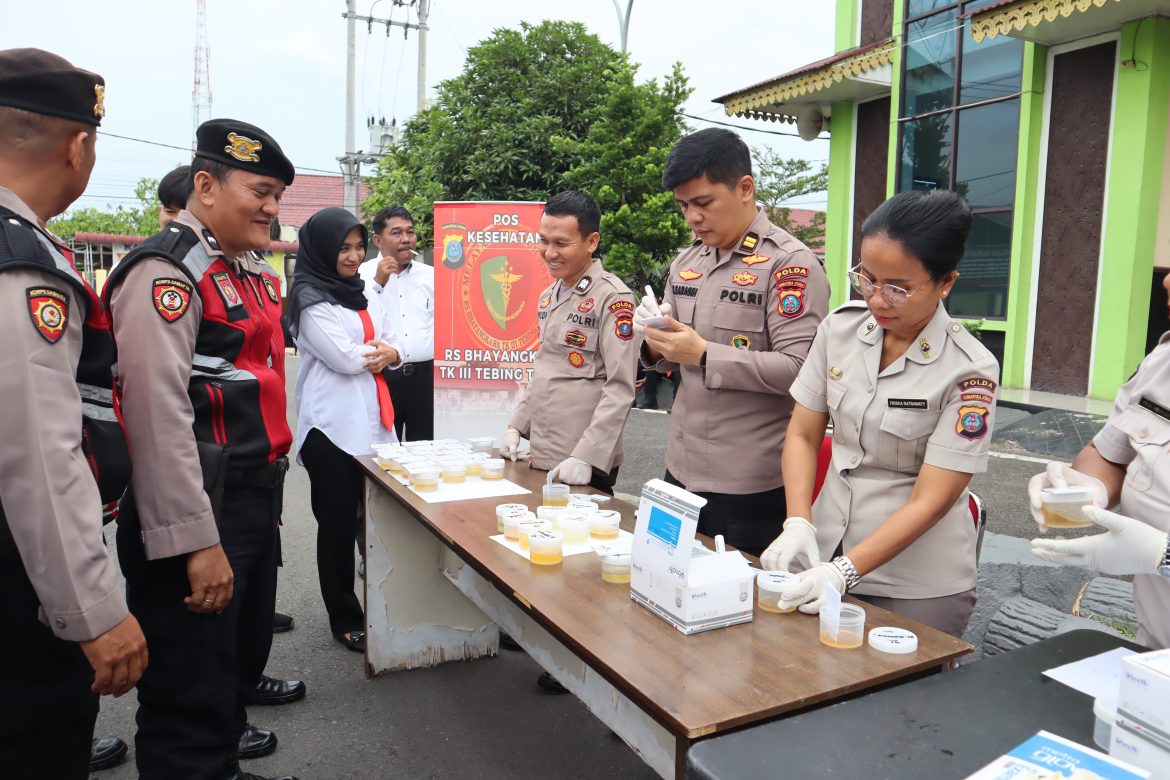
x=907, y=403
x=1155, y=407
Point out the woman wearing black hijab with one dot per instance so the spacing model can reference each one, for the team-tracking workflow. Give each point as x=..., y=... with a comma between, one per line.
x=343, y=404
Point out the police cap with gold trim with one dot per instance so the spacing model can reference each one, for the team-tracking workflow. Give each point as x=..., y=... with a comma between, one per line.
x=43, y=83
x=243, y=146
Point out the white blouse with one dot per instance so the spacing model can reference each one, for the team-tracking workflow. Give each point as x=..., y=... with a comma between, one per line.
x=335, y=394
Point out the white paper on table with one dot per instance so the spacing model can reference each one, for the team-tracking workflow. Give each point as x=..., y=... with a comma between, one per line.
x=1096, y=675
x=620, y=546
x=568, y=549
x=831, y=611
x=471, y=488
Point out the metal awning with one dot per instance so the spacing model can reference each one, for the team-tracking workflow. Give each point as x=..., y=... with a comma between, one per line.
x=1051, y=22
x=856, y=74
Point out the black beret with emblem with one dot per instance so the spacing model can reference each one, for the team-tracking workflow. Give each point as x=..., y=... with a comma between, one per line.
x=43, y=83
x=242, y=146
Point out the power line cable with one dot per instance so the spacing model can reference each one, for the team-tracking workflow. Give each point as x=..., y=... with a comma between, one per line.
x=188, y=149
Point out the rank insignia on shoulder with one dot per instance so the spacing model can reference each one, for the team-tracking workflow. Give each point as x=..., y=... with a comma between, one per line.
x=270, y=288
x=227, y=290
x=576, y=338
x=586, y=305
x=689, y=275
x=576, y=360
x=745, y=278
x=545, y=301
x=972, y=422
x=585, y=283
x=49, y=309
x=172, y=297
x=749, y=243
x=243, y=148
x=751, y=260
x=740, y=341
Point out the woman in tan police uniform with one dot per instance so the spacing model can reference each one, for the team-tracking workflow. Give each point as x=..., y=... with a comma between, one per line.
x=910, y=394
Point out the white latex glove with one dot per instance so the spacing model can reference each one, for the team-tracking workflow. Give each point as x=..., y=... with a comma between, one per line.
x=1063, y=475
x=649, y=307
x=808, y=591
x=572, y=471
x=799, y=538
x=511, y=444
x=1130, y=547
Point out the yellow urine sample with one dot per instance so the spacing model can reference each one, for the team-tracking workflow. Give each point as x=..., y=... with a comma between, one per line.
x=604, y=532
x=394, y=467
x=615, y=577
x=452, y=478
x=426, y=485
x=774, y=607
x=1057, y=516
x=546, y=558
x=489, y=475
x=846, y=639
x=556, y=501
x=474, y=469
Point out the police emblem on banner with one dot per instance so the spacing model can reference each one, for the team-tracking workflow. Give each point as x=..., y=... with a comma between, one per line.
x=49, y=309
x=576, y=360
x=172, y=297
x=227, y=290
x=270, y=288
x=972, y=422
x=453, y=251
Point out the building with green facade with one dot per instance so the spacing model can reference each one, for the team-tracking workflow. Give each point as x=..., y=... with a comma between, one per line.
x=1052, y=117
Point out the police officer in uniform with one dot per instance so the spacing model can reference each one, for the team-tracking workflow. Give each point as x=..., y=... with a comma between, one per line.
x=575, y=408
x=1127, y=463
x=741, y=305
x=68, y=636
x=196, y=316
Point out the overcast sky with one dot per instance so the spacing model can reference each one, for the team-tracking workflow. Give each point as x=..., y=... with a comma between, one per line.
x=280, y=64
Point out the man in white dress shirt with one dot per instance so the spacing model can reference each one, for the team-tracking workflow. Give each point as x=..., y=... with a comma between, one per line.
x=406, y=288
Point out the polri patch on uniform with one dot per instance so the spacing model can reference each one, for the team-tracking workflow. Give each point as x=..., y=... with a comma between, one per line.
x=617, y=307
x=49, y=309
x=270, y=288
x=576, y=360
x=972, y=422
x=689, y=275
x=745, y=278
x=906, y=403
x=977, y=383
x=749, y=243
x=227, y=290
x=982, y=398
x=172, y=298
x=751, y=260
x=790, y=286
x=586, y=305
x=1155, y=407
x=576, y=338
x=623, y=326
x=740, y=341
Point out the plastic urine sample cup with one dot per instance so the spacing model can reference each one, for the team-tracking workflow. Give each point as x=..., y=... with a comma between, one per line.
x=550, y=513
x=505, y=509
x=574, y=526
x=768, y=587
x=546, y=548
x=526, y=527
x=604, y=525
x=1063, y=507
x=493, y=468
x=454, y=472
x=616, y=569
x=425, y=480
x=483, y=444
x=850, y=629
x=556, y=494
x=581, y=506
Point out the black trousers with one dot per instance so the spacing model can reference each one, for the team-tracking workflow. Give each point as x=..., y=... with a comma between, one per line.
x=335, y=485
x=47, y=712
x=748, y=522
x=191, y=698
x=412, y=391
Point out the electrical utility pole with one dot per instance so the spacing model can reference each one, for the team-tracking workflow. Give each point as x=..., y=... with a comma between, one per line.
x=352, y=161
x=624, y=20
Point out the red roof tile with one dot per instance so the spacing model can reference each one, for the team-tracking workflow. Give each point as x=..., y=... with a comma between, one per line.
x=838, y=57
x=308, y=194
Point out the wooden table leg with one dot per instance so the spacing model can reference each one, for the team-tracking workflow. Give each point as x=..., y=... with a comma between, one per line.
x=414, y=617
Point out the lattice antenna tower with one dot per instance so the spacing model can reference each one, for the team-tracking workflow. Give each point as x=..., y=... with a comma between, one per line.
x=201, y=93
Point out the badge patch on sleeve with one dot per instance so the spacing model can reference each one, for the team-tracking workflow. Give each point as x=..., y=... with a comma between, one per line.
x=586, y=305
x=172, y=297
x=227, y=290
x=576, y=360
x=617, y=307
x=49, y=309
x=790, y=286
x=972, y=422
x=745, y=278
x=740, y=341
x=624, y=327
x=270, y=288
x=576, y=338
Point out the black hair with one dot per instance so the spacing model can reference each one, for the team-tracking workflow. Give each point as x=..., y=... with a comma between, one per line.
x=932, y=225
x=175, y=188
x=219, y=171
x=389, y=213
x=574, y=203
x=720, y=154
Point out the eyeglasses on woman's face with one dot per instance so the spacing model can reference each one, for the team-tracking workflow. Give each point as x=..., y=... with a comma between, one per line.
x=891, y=293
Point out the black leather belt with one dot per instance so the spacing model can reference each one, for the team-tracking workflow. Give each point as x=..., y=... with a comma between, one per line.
x=270, y=475
x=410, y=369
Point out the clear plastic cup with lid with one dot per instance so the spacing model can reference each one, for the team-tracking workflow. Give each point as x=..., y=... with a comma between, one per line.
x=492, y=469
x=483, y=444
x=1063, y=507
x=850, y=632
x=556, y=494
x=616, y=569
x=769, y=584
x=505, y=509
x=546, y=548
x=528, y=526
x=425, y=480
x=550, y=513
x=454, y=471
x=575, y=527
x=604, y=525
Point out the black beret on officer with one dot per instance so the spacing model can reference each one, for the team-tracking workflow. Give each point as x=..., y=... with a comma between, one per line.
x=242, y=146
x=44, y=83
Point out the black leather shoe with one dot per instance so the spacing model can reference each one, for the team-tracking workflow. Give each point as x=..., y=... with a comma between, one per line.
x=250, y=776
x=256, y=742
x=356, y=641
x=272, y=691
x=105, y=753
x=549, y=684
x=281, y=623
x=508, y=643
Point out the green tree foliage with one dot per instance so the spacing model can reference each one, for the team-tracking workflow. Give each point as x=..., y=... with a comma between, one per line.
x=621, y=160
x=779, y=180
x=140, y=220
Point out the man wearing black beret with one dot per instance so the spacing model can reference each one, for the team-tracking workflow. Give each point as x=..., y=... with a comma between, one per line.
x=67, y=634
x=196, y=316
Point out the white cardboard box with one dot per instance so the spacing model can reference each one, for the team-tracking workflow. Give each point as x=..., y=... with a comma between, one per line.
x=1144, y=696
x=1046, y=756
x=1135, y=749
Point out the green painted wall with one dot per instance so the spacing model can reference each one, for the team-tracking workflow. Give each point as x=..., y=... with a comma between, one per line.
x=1024, y=218
x=839, y=212
x=895, y=99
x=1133, y=194
x=845, y=30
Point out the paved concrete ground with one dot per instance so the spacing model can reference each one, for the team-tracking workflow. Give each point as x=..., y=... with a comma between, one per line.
x=483, y=719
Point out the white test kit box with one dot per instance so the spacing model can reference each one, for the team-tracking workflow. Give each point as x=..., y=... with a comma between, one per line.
x=692, y=588
x=1141, y=733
